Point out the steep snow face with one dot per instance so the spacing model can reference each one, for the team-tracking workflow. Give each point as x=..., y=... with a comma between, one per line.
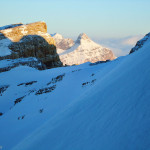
x=85, y=50
x=62, y=43
x=140, y=43
x=111, y=114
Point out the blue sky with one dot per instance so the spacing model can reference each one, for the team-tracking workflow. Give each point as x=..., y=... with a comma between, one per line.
x=97, y=18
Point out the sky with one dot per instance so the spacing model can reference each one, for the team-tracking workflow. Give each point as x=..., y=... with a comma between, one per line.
x=97, y=18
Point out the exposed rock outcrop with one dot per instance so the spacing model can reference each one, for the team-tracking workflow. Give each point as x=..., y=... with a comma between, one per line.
x=16, y=33
x=85, y=50
x=30, y=40
x=140, y=43
x=61, y=42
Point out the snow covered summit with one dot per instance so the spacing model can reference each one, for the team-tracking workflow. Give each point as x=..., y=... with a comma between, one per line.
x=82, y=37
x=85, y=50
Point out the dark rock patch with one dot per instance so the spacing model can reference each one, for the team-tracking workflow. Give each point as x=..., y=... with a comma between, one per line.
x=18, y=100
x=88, y=83
x=76, y=70
x=21, y=117
x=57, y=79
x=99, y=62
x=41, y=110
x=45, y=90
x=92, y=74
x=3, y=88
x=27, y=83
x=1, y=113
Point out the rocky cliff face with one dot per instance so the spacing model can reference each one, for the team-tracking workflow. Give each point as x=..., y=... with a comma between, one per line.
x=30, y=40
x=140, y=43
x=16, y=33
x=85, y=50
x=61, y=42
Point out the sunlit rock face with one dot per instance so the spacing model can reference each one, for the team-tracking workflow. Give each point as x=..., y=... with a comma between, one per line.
x=16, y=33
x=85, y=50
x=30, y=40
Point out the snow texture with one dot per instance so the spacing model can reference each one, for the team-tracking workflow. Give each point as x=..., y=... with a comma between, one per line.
x=87, y=107
x=10, y=62
x=4, y=50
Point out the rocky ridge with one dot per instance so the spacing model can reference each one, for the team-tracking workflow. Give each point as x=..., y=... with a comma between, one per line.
x=140, y=43
x=30, y=40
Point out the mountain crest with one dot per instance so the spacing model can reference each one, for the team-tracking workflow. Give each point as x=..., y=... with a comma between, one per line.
x=82, y=36
x=85, y=50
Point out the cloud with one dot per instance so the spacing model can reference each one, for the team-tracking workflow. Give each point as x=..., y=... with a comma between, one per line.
x=119, y=46
x=131, y=40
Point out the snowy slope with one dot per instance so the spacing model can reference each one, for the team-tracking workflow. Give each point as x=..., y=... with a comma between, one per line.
x=28, y=97
x=111, y=114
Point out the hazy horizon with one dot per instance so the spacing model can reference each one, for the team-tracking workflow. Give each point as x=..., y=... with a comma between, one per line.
x=119, y=46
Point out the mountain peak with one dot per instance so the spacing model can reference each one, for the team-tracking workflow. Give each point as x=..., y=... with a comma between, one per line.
x=82, y=36
x=85, y=50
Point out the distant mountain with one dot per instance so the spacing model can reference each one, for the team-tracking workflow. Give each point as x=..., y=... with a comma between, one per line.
x=85, y=50
x=61, y=42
